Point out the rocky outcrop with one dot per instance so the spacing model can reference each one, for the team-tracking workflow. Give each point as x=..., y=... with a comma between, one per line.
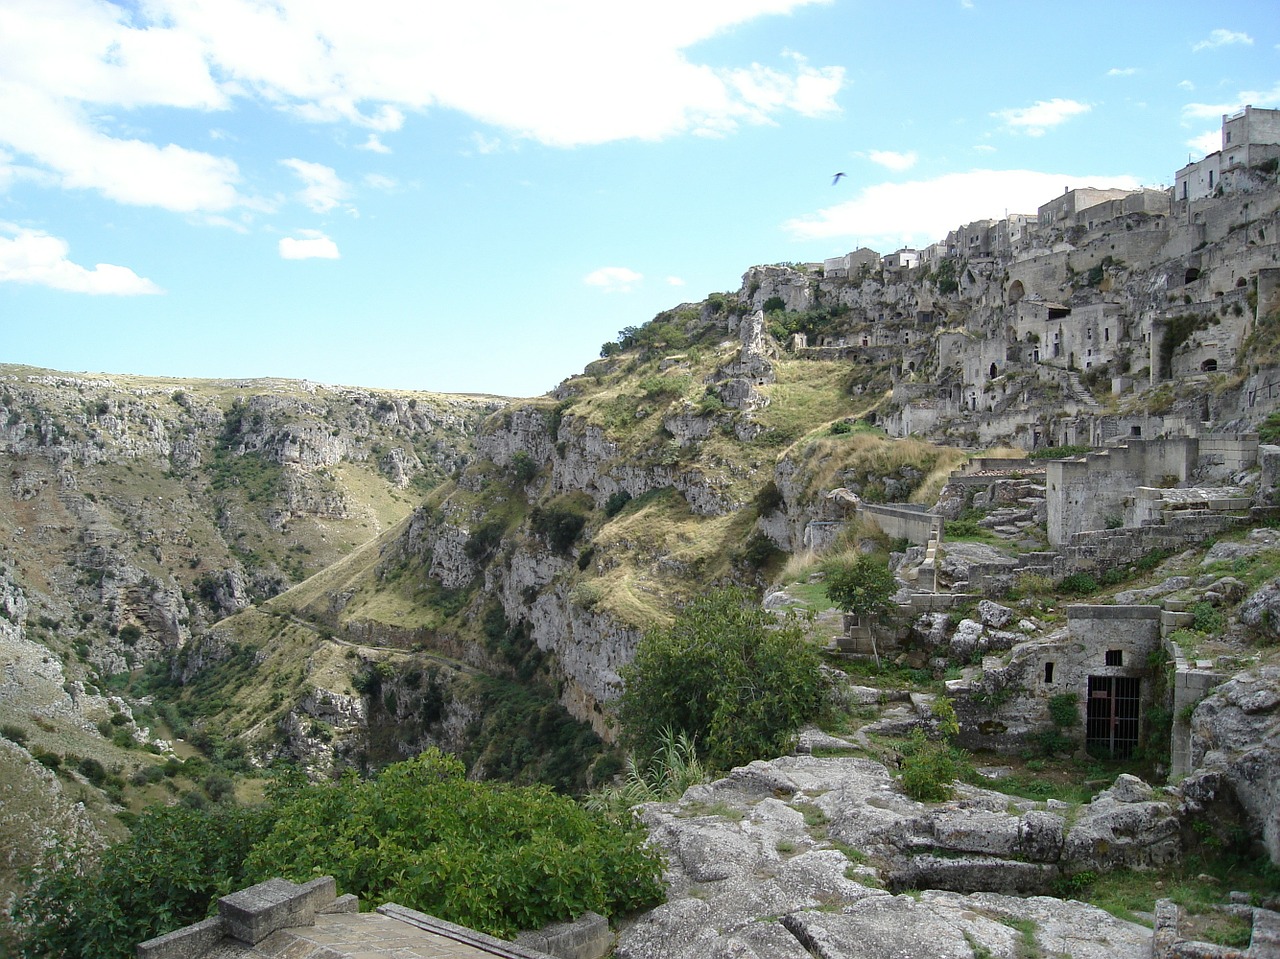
x=1235, y=752
x=759, y=865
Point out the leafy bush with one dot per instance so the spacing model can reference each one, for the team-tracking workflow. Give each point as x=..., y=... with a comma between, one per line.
x=559, y=524
x=759, y=551
x=727, y=675
x=524, y=466
x=930, y=768
x=616, y=503
x=774, y=304
x=862, y=588
x=497, y=859
x=1064, y=710
x=162, y=877
x=1078, y=584
x=483, y=541
x=1208, y=618
x=14, y=733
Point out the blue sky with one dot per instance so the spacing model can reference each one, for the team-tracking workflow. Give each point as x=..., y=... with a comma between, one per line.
x=474, y=196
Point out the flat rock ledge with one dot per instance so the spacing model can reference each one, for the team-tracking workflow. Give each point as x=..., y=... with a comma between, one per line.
x=798, y=858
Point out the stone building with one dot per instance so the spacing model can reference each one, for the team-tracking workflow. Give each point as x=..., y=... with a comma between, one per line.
x=1061, y=211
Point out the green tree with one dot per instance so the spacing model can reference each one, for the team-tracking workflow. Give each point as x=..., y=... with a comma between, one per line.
x=726, y=674
x=863, y=588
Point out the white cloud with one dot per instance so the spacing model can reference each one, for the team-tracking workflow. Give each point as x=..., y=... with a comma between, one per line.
x=1214, y=111
x=380, y=182
x=887, y=215
x=1122, y=71
x=984, y=148
x=674, y=281
x=484, y=145
x=308, y=245
x=1186, y=85
x=338, y=62
x=31, y=256
x=613, y=279
x=1222, y=38
x=1208, y=142
x=61, y=141
x=1041, y=115
x=374, y=145
x=893, y=161
x=322, y=188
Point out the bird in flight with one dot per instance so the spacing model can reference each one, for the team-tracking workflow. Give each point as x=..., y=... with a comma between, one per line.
x=836, y=179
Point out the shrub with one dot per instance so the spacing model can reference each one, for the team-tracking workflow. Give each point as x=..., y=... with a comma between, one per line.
x=559, y=524
x=524, y=466
x=862, y=588
x=759, y=551
x=616, y=503
x=1064, y=710
x=92, y=770
x=483, y=542
x=930, y=768
x=1078, y=584
x=495, y=859
x=774, y=304
x=1208, y=618
x=725, y=674
x=162, y=877
x=13, y=733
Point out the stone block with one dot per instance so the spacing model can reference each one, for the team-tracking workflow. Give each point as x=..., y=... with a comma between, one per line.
x=587, y=937
x=190, y=942
x=252, y=914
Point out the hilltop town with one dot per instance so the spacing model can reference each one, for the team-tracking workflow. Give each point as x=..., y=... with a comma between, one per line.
x=1105, y=314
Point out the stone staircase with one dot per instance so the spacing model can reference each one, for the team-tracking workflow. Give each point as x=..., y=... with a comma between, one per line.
x=1077, y=389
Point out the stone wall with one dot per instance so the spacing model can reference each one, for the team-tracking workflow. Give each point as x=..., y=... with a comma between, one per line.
x=900, y=520
x=1009, y=704
x=1086, y=493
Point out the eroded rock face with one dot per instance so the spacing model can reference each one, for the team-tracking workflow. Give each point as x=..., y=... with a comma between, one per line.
x=757, y=866
x=1235, y=752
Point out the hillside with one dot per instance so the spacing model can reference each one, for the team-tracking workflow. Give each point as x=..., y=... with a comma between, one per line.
x=277, y=571
x=136, y=512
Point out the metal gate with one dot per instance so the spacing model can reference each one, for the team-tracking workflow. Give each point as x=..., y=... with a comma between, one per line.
x=1111, y=723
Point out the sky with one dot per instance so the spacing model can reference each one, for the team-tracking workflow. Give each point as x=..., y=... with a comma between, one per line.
x=474, y=196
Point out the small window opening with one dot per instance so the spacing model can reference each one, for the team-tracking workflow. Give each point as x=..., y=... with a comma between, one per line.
x=1048, y=672
x=1115, y=657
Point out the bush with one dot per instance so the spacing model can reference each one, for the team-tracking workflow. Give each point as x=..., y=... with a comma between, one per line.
x=1208, y=619
x=616, y=503
x=524, y=466
x=559, y=525
x=726, y=675
x=862, y=588
x=1064, y=710
x=162, y=877
x=930, y=768
x=493, y=858
x=13, y=733
x=1078, y=584
x=92, y=770
x=483, y=542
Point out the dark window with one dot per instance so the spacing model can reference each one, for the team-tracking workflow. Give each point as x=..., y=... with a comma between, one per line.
x=1048, y=672
x=1115, y=657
